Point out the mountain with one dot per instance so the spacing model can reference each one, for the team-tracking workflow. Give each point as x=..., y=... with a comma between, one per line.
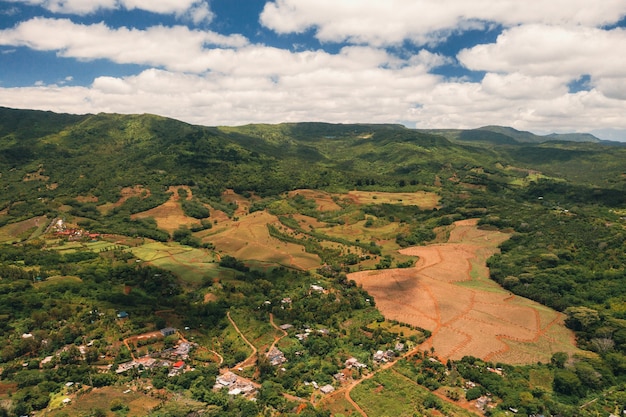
x=507, y=135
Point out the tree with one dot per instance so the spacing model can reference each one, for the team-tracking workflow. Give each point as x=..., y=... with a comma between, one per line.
x=567, y=382
x=558, y=359
x=581, y=318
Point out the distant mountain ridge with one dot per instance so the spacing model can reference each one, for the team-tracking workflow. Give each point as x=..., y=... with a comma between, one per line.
x=61, y=156
x=507, y=135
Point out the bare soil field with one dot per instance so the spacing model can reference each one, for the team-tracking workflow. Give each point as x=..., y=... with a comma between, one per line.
x=169, y=215
x=449, y=293
x=422, y=199
x=324, y=200
x=243, y=203
x=126, y=193
x=87, y=199
x=249, y=238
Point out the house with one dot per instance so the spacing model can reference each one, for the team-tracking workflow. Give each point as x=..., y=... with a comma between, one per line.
x=147, y=362
x=354, y=363
x=178, y=365
x=317, y=288
x=327, y=389
x=276, y=357
x=122, y=315
x=286, y=326
x=123, y=367
x=226, y=379
x=183, y=349
x=168, y=331
x=379, y=356
x=399, y=347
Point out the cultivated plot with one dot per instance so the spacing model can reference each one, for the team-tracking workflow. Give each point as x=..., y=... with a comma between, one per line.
x=483, y=320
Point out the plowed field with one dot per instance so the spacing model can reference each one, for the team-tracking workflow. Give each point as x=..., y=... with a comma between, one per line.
x=449, y=293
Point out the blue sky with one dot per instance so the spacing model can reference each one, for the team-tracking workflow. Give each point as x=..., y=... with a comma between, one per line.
x=539, y=65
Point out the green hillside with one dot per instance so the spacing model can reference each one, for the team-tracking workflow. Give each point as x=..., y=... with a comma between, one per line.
x=219, y=231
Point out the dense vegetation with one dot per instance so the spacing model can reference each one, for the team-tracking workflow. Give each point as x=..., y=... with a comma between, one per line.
x=564, y=202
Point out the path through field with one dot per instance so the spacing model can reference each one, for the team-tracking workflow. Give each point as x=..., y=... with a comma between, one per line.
x=449, y=293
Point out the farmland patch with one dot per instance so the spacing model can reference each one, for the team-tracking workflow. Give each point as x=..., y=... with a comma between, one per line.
x=480, y=319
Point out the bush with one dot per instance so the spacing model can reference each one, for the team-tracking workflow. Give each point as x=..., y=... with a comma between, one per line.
x=118, y=405
x=473, y=393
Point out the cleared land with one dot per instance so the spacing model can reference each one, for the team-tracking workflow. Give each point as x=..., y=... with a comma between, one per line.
x=325, y=201
x=125, y=193
x=249, y=238
x=169, y=215
x=422, y=199
x=449, y=293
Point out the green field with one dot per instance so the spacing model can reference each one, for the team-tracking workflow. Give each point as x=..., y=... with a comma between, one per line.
x=389, y=394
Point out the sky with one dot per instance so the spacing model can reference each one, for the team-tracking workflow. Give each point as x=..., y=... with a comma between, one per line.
x=539, y=65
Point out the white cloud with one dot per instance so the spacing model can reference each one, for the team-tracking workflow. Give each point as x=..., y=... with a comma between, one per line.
x=518, y=86
x=198, y=9
x=339, y=94
x=177, y=47
x=552, y=50
x=393, y=21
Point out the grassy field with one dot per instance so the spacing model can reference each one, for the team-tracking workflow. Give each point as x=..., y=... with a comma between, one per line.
x=85, y=402
x=260, y=333
x=338, y=405
x=20, y=231
x=190, y=264
x=59, y=279
x=388, y=394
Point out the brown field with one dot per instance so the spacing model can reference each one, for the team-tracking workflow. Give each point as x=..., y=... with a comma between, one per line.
x=323, y=199
x=449, y=293
x=243, y=203
x=422, y=199
x=87, y=199
x=169, y=215
x=248, y=238
x=126, y=193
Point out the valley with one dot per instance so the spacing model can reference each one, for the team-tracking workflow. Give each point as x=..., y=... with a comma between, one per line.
x=342, y=270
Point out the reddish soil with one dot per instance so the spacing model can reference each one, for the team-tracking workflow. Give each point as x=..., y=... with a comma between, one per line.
x=169, y=215
x=448, y=292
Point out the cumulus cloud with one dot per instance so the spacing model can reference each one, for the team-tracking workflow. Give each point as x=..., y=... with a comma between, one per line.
x=421, y=21
x=198, y=9
x=336, y=94
x=540, y=50
x=561, y=52
x=177, y=47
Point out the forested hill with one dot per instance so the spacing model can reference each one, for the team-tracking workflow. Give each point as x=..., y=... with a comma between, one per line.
x=72, y=155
